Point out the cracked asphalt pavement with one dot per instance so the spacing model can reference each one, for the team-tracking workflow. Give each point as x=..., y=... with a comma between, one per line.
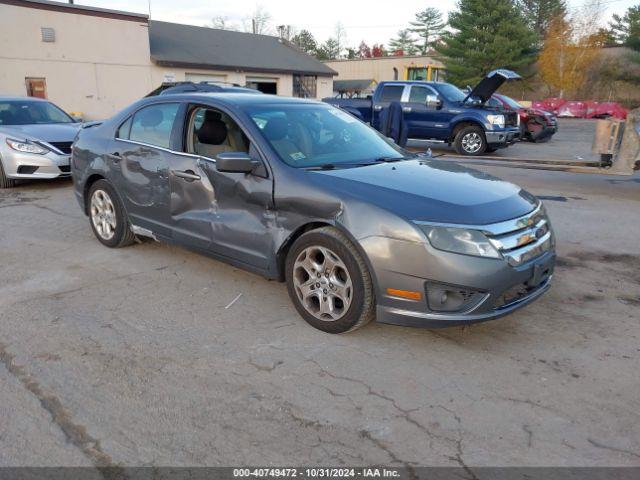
x=129, y=357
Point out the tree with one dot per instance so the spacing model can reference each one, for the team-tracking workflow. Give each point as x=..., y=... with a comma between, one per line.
x=626, y=28
x=305, y=42
x=567, y=56
x=329, y=50
x=539, y=14
x=404, y=43
x=487, y=34
x=259, y=22
x=340, y=36
x=428, y=25
x=364, y=51
x=378, y=50
x=221, y=23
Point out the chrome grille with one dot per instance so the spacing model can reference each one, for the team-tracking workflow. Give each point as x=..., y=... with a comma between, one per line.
x=522, y=239
x=64, y=147
x=511, y=119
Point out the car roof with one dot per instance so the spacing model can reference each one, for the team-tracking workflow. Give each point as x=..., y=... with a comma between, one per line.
x=7, y=98
x=237, y=99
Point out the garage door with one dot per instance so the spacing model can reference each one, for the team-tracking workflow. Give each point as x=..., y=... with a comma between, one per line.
x=263, y=84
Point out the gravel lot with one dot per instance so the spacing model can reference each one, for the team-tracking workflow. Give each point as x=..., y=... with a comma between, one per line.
x=129, y=357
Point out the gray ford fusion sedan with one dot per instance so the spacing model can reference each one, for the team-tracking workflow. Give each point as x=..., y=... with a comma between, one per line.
x=302, y=192
x=35, y=140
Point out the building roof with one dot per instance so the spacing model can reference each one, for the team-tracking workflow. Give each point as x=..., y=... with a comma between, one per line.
x=176, y=45
x=353, y=85
x=77, y=9
x=428, y=56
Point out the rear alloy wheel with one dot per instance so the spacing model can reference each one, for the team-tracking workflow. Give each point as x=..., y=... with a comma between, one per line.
x=470, y=141
x=107, y=216
x=328, y=281
x=5, y=182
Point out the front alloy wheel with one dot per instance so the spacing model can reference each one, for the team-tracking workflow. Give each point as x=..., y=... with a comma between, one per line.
x=322, y=283
x=470, y=141
x=329, y=282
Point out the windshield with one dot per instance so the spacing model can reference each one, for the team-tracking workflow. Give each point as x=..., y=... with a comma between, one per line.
x=511, y=102
x=310, y=135
x=28, y=112
x=451, y=92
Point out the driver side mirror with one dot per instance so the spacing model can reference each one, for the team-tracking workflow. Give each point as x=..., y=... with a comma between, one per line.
x=433, y=101
x=236, y=162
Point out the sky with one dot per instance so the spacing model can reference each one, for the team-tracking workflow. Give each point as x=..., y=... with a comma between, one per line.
x=373, y=22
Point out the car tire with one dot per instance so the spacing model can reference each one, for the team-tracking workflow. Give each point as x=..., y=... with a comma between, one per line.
x=341, y=300
x=5, y=182
x=108, y=217
x=470, y=141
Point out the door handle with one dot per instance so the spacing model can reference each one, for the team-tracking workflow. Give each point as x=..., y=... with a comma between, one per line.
x=377, y=108
x=188, y=175
x=406, y=109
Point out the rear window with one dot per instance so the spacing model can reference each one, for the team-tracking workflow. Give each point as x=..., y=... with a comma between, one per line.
x=151, y=125
x=391, y=93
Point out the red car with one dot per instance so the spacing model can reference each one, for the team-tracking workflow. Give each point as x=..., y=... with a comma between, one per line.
x=536, y=125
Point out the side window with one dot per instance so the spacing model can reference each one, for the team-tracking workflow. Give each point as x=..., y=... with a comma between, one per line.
x=124, y=129
x=419, y=94
x=391, y=93
x=153, y=124
x=494, y=103
x=210, y=132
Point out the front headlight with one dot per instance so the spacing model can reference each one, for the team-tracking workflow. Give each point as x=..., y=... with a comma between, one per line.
x=26, y=147
x=460, y=240
x=497, y=120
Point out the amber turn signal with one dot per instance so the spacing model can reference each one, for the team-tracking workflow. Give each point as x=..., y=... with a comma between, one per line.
x=404, y=294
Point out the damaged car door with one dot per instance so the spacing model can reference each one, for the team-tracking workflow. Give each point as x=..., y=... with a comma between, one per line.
x=227, y=211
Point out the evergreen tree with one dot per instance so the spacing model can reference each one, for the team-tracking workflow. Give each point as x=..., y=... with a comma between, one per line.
x=539, y=13
x=626, y=28
x=305, y=42
x=428, y=25
x=329, y=50
x=487, y=34
x=404, y=43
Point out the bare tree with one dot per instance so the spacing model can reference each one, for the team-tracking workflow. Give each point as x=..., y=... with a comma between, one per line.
x=259, y=22
x=340, y=36
x=222, y=23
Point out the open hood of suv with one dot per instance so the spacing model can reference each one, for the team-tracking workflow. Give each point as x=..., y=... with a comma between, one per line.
x=489, y=84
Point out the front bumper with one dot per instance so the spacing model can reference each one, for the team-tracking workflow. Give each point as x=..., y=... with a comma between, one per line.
x=502, y=138
x=489, y=308
x=489, y=287
x=25, y=165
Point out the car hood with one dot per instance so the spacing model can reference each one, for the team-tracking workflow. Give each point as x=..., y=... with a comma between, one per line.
x=53, y=132
x=432, y=191
x=489, y=84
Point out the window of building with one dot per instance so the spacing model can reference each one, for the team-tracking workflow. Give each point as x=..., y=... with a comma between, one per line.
x=151, y=125
x=305, y=86
x=391, y=93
